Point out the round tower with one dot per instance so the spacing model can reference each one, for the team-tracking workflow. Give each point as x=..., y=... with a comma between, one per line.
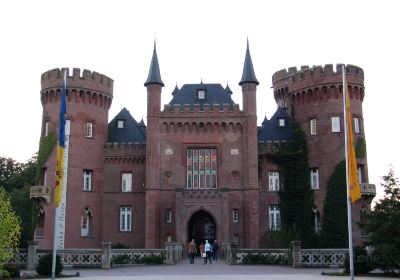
x=89, y=97
x=314, y=96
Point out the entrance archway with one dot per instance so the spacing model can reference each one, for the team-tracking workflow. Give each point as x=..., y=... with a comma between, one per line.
x=201, y=227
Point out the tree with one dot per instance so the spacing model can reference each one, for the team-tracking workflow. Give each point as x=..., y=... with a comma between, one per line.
x=382, y=225
x=10, y=229
x=334, y=224
x=295, y=194
x=8, y=168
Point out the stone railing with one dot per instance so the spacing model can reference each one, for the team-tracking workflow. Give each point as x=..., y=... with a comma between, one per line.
x=95, y=257
x=368, y=189
x=323, y=257
x=260, y=256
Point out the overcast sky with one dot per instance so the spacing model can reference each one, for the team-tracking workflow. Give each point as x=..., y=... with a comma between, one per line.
x=197, y=40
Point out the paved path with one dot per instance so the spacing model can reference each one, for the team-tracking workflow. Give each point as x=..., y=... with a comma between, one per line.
x=215, y=271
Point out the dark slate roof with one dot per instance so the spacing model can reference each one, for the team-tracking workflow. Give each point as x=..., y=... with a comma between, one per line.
x=248, y=75
x=131, y=132
x=215, y=94
x=270, y=130
x=154, y=76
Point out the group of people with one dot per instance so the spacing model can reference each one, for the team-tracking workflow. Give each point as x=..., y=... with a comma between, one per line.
x=207, y=251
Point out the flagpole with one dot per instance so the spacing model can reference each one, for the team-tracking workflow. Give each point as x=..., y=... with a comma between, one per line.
x=53, y=264
x=349, y=219
x=60, y=180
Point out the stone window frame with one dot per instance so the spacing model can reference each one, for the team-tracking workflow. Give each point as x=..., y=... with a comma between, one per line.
x=273, y=181
x=125, y=180
x=125, y=218
x=87, y=180
x=274, y=215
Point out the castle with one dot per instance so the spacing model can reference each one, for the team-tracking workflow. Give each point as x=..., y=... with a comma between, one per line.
x=199, y=169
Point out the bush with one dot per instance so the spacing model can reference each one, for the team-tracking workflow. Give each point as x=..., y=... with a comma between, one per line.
x=11, y=270
x=265, y=259
x=362, y=262
x=45, y=263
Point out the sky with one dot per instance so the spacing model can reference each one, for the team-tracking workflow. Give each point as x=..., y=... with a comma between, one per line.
x=197, y=40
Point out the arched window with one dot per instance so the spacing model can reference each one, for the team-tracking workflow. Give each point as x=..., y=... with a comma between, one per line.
x=86, y=222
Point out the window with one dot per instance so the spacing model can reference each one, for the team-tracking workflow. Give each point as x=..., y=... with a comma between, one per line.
x=281, y=122
x=274, y=218
x=44, y=176
x=235, y=215
x=356, y=125
x=201, y=93
x=273, y=181
x=314, y=178
x=317, y=220
x=313, y=126
x=335, y=124
x=201, y=167
x=125, y=219
x=46, y=128
x=86, y=222
x=168, y=216
x=120, y=123
x=126, y=182
x=359, y=171
x=89, y=129
x=39, y=230
x=87, y=180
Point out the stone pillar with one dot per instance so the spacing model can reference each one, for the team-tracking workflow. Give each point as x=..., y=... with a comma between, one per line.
x=173, y=252
x=106, y=254
x=296, y=254
x=32, y=246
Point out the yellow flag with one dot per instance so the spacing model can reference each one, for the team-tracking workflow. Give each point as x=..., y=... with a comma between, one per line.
x=354, y=184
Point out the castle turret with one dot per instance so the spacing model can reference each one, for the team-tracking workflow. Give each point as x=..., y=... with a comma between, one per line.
x=249, y=84
x=314, y=95
x=89, y=98
x=154, y=85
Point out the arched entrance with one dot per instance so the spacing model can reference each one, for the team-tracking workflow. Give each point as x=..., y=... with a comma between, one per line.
x=201, y=227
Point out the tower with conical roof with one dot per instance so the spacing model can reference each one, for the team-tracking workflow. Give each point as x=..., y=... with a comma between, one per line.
x=249, y=84
x=153, y=85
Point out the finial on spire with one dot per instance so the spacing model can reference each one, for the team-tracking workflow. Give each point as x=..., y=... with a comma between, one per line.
x=248, y=75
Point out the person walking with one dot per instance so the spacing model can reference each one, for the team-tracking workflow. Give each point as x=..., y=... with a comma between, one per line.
x=202, y=252
x=215, y=250
x=208, y=251
x=192, y=251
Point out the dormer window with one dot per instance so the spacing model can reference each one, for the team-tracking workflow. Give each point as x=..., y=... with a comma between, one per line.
x=281, y=122
x=201, y=94
x=120, y=123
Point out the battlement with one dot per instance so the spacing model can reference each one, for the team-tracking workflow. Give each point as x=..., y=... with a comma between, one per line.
x=85, y=80
x=201, y=108
x=317, y=73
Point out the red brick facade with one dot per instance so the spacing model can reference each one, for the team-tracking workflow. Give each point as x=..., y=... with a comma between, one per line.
x=162, y=206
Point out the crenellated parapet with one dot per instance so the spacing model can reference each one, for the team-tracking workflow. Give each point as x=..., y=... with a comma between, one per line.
x=201, y=108
x=318, y=73
x=201, y=127
x=125, y=152
x=86, y=87
x=309, y=84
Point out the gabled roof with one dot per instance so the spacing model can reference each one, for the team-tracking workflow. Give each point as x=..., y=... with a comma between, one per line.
x=248, y=75
x=131, y=132
x=188, y=94
x=154, y=76
x=270, y=130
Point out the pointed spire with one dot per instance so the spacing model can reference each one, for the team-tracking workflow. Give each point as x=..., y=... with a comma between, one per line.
x=176, y=90
x=265, y=121
x=228, y=89
x=154, y=72
x=141, y=123
x=248, y=75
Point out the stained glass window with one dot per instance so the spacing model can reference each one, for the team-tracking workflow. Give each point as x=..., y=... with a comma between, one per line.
x=201, y=168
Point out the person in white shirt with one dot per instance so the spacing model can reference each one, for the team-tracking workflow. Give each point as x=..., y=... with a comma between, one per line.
x=208, y=251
